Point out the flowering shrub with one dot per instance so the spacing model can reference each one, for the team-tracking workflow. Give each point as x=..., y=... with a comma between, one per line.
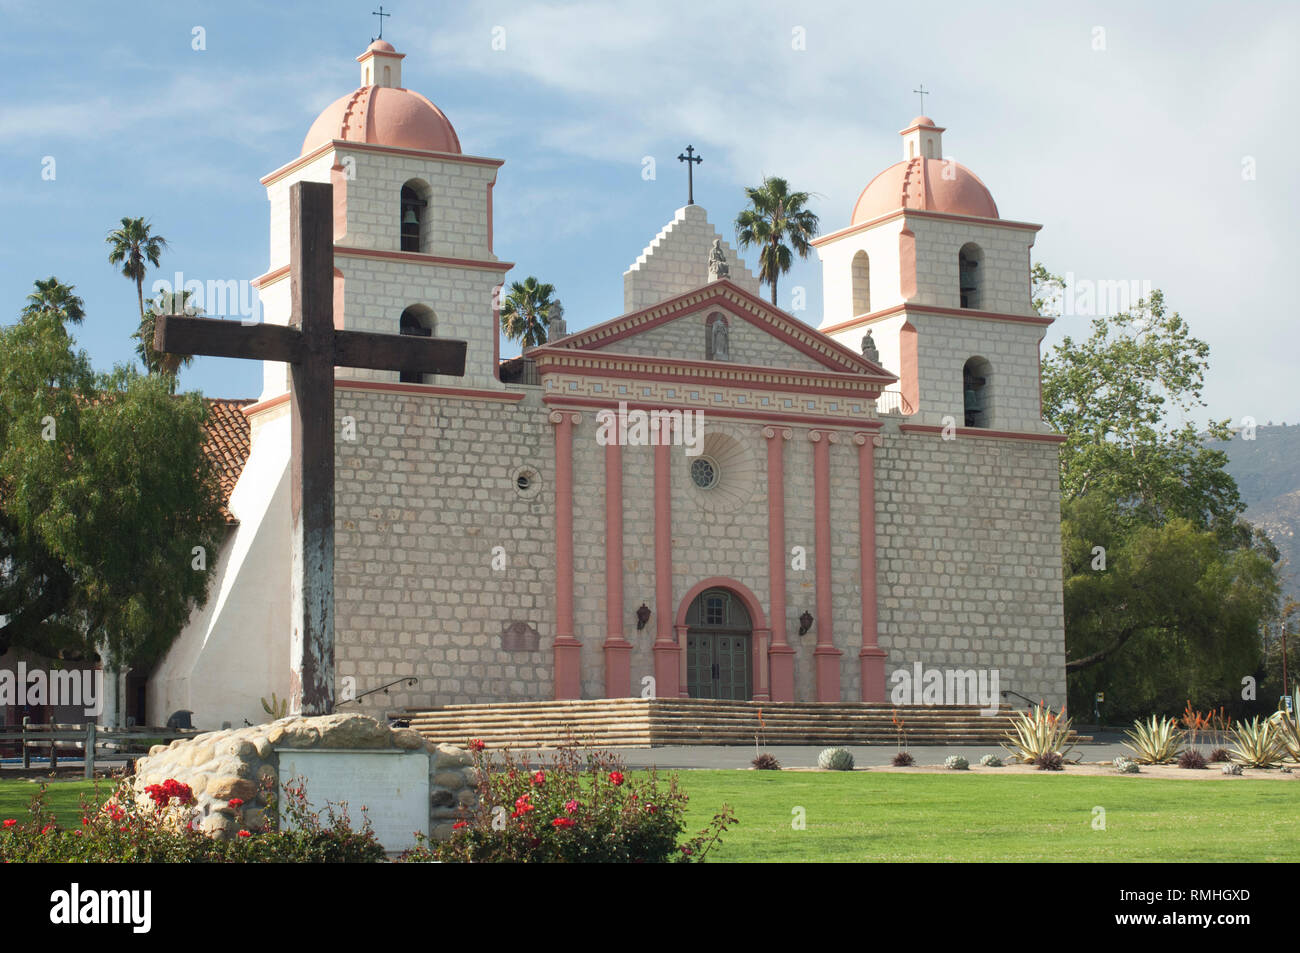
x=165, y=828
x=579, y=807
x=162, y=794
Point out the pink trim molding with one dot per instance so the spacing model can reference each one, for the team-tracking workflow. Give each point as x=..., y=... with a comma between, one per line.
x=871, y=658
x=788, y=417
x=781, y=654
x=970, y=313
x=567, y=649
x=826, y=656
x=986, y=434
x=419, y=259
x=618, y=650
x=272, y=177
x=669, y=652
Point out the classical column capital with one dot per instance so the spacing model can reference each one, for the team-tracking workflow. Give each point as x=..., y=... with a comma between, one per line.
x=557, y=417
x=861, y=439
x=772, y=432
x=816, y=435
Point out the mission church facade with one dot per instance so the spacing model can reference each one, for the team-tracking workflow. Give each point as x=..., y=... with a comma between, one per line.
x=856, y=505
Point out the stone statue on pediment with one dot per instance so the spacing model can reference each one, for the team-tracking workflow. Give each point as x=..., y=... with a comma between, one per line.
x=555, y=326
x=718, y=267
x=869, y=349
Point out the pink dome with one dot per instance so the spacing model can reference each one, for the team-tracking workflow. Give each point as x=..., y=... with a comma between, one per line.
x=920, y=184
x=383, y=116
x=921, y=121
x=381, y=46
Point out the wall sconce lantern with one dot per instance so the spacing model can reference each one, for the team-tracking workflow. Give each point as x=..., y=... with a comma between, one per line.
x=642, y=616
x=805, y=622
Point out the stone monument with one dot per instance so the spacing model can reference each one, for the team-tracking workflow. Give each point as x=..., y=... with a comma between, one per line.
x=718, y=267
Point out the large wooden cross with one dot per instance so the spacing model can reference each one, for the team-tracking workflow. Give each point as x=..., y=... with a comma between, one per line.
x=312, y=347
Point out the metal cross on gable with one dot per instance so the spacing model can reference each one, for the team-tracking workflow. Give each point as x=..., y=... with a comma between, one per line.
x=691, y=161
x=312, y=347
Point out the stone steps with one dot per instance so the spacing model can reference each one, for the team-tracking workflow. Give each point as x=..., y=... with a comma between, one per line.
x=638, y=722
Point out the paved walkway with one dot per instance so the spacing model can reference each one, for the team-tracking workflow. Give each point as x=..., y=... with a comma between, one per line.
x=1104, y=747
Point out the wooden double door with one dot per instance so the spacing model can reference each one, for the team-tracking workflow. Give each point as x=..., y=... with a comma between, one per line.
x=719, y=650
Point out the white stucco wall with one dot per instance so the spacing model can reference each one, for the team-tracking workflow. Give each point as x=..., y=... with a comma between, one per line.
x=235, y=650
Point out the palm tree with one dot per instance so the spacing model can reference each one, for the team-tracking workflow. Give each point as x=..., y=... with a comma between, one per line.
x=51, y=297
x=776, y=214
x=525, y=312
x=131, y=246
x=158, y=362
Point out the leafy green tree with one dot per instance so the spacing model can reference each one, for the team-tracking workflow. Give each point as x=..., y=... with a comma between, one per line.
x=1112, y=396
x=525, y=311
x=109, y=510
x=1158, y=615
x=131, y=246
x=55, y=298
x=159, y=362
x=1165, y=586
x=779, y=223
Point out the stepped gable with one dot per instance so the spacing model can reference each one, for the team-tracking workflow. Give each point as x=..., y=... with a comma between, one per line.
x=677, y=260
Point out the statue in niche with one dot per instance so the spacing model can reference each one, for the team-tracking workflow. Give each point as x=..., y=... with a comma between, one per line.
x=869, y=349
x=721, y=349
x=555, y=326
x=718, y=267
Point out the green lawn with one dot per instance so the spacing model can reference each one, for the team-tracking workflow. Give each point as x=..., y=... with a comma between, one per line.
x=61, y=797
x=867, y=816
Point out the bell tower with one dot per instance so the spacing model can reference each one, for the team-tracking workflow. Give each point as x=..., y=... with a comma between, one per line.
x=941, y=280
x=412, y=225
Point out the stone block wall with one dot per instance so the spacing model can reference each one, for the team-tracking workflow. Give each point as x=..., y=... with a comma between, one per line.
x=969, y=558
x=423, y=496
x=1004, y=272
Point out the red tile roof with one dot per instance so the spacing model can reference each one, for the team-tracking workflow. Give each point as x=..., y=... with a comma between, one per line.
x=227, y=445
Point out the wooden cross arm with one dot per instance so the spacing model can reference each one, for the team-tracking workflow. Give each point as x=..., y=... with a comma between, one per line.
x=181, y=334
x=393, y=352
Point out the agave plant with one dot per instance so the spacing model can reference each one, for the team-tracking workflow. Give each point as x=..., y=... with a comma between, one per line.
x=1287, y=726
x=1038, y=732
x=1258, y=743
x=1157, y=741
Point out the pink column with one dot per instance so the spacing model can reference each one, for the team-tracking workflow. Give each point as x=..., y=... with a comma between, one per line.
x=826, y=657
x=568, y=650
x=618, y=651
x=871, y=657
x=781, y=653
x=669, y=656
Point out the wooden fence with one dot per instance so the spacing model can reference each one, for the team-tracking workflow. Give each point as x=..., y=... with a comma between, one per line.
x=85, y=740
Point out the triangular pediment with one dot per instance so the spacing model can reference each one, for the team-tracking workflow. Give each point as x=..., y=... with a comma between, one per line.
x=758, y=335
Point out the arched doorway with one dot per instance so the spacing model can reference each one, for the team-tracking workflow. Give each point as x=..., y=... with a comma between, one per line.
x=719, y=647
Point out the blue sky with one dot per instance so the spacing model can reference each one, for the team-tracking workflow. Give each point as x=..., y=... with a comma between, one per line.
x=1123, y=129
